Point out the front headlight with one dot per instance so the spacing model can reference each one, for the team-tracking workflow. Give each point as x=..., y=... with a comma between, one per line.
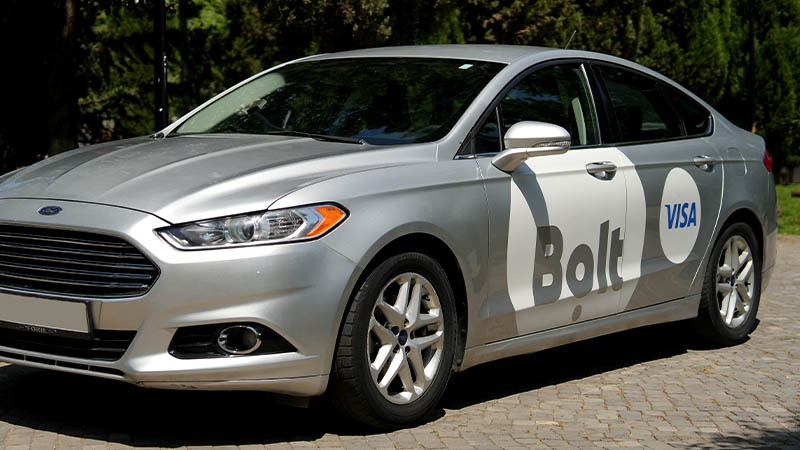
x=265, y=227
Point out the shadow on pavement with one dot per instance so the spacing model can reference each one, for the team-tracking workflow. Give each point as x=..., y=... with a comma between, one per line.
x=761, y=438
x=111, y=411
x=570, y=362
x=104, y=410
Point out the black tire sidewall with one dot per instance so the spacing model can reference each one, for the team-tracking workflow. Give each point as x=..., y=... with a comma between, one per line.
x=368, y=295
x=719, y=331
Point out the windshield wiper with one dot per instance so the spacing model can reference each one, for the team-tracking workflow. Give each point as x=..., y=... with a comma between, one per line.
x=319, y=137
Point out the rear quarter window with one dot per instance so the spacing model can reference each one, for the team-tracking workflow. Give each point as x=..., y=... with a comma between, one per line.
x=642, y=111
x=696, y=118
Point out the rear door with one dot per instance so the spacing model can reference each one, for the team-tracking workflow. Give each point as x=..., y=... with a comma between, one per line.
x=661, y=131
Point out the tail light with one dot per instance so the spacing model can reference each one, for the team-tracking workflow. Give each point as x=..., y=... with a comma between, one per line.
x=767, y=160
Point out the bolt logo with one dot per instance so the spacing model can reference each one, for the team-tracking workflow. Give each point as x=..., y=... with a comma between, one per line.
x=580, y=266
x=682, y=219
x=680, y=216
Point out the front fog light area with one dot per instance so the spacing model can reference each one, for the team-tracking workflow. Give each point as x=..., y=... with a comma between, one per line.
x=284, y=225
x=227, y=340
x=239, y=340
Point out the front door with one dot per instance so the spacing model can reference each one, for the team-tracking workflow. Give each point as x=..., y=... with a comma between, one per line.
x=558, y=236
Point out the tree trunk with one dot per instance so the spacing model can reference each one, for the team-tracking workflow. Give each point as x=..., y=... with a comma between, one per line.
x=62, y=122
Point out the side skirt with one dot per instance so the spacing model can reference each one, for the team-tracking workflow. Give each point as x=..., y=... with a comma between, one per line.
x=685, y=308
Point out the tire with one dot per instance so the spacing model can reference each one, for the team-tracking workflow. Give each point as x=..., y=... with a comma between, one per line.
x=374, y=334
x=716, y=322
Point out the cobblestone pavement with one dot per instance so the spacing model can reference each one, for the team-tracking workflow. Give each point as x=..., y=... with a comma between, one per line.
x=655, y=387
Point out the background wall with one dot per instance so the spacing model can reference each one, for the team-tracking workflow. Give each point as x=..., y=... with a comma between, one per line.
x=79, y=72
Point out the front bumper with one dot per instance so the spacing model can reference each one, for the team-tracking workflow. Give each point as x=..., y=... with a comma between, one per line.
x=299, y=291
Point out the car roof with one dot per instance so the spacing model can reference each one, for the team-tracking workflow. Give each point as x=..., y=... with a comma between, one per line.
x=480, y=52
x=506, y=54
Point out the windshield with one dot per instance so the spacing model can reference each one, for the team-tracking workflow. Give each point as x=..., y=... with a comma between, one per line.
x=377, y=100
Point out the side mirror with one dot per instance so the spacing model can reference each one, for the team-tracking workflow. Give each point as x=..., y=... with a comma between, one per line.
x=528, y=138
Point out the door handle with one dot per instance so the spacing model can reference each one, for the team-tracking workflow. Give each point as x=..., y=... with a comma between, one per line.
x=603, y=170
x=704, y=162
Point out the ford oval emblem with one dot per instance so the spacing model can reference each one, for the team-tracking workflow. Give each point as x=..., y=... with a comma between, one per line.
x=49, y=210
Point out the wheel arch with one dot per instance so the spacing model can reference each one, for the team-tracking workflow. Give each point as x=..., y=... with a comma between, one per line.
x=747, y=216
x=743, y=214
x=707, y=322
x=437, y=249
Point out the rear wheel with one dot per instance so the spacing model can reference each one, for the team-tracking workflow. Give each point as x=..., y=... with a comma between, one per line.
x=395, y=352
x=732, y=287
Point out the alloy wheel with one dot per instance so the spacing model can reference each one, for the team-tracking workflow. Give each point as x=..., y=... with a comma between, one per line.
x=405, y=338
x=735, y=281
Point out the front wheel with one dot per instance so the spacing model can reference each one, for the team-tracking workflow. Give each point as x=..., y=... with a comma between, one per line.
x=732, y=287
x=396, y=348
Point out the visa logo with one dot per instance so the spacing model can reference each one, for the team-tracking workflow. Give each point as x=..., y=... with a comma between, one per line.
x=681, y=215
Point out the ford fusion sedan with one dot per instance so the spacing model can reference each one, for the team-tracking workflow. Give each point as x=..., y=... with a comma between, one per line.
x=363, y=224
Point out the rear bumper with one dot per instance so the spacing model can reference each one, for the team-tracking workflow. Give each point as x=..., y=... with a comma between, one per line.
x=770, y=258
x=298, y=291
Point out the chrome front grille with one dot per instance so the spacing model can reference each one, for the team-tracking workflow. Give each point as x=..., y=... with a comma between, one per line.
x=74, y=263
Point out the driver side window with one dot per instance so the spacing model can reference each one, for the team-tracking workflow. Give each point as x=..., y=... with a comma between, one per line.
x=555, y=94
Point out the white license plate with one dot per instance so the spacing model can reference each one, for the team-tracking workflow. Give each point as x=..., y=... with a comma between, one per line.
x=31, y=312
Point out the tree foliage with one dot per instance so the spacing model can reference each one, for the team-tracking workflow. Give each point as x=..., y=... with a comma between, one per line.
x=84, y=72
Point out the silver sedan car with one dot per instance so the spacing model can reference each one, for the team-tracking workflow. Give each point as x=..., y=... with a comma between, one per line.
x=363, y=224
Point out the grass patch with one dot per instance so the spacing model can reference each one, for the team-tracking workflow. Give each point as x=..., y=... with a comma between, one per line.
x=789, y=220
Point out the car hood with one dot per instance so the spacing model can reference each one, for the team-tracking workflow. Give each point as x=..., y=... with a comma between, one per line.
x=186, y=178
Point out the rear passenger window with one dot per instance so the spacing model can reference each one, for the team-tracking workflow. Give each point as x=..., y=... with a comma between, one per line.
x=642, y=111
x=696, y=119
